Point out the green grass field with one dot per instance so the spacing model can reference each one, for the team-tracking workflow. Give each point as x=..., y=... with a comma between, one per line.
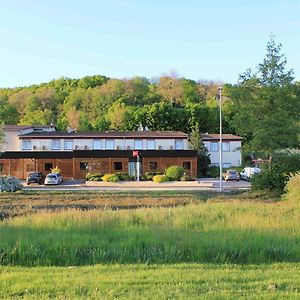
x=212, y=247
x=184, y=281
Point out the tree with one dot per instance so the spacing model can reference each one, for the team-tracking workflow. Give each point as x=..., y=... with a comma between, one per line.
x=196, y=143
x=266, y=106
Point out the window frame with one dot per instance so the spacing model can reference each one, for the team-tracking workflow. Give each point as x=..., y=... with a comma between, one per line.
x=26, y=142
x=211, y=149
x=136, y=146
x=150, y=163
x=226, y=143
x=149, y=145
x=115, y=164
x=188, y=163
x=86, y=166
x=48, y=169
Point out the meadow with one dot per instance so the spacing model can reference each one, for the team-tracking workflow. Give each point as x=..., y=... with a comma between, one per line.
x=159, y=245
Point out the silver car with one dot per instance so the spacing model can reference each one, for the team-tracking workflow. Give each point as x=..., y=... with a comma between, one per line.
x=231, y=175
x=53, y=178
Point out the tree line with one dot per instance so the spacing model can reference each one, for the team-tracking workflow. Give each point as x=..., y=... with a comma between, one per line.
x=263, y=106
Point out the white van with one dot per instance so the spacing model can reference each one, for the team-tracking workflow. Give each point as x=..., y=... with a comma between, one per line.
x=248, y=172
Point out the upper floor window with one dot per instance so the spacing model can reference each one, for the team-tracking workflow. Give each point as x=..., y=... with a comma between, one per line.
x=110, y=144
x=179, y=144
x=150, y=144
x=97, y=145
x=55, y=145
x=214, y=146
x=138, y=144
x=226, y=146
x=68, y=145
x=26, y=145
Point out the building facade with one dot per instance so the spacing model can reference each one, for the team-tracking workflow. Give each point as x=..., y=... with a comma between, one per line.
x=41, y=148
x=231, y=149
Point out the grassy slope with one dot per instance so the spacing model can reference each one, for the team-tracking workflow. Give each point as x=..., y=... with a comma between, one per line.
x=185, y=281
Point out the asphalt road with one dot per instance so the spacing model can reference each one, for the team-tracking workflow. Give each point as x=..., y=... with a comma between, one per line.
x=79, y=185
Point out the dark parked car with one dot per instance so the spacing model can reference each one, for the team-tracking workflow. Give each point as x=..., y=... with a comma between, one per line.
x=35, y=177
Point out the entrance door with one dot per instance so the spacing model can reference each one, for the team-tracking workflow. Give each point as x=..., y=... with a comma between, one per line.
x=132, y=168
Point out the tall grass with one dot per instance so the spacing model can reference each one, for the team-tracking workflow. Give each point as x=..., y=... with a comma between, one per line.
x=235, y=232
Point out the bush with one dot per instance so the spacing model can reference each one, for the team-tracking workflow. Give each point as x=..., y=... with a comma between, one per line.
x=10, y=184
x=175, y=172
x=93, y=177
x=110, y=178
x=150, y=175
x=213, y=171
x=56, y=170
x=276, y=177
x=292, y=189
x=123, y=176
x=160, y=178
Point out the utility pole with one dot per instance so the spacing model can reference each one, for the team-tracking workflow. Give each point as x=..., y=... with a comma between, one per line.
x=221, y=143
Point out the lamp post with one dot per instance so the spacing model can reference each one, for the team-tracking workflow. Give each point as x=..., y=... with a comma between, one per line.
x=220, y=145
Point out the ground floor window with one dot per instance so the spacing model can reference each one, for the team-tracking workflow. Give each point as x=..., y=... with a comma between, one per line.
x=118, y=166
x=226, y=165
x=186, y=165
x=1, y=167
x=83, y=166
x=48, y=167
x=153, y=165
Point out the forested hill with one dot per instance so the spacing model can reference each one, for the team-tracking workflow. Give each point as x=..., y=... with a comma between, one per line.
x=102, y=103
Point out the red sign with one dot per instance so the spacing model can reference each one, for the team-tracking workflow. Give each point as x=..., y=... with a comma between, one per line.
x=135, y=153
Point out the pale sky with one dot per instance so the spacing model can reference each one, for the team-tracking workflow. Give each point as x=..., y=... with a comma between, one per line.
x=209, y=40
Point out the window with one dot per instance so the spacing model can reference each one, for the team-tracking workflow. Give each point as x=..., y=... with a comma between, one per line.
x=214, y=146
x=186, y=165
x=226, y=146
x=55, y=145
x=138, y=144
x=118, y=166
x=179, y=144
x=68, y=145
x=83, y=166
x=110, y=144
x=48, y=166
x=1, y=167
x=97, y=145
x=150, y=144
x=152, y=165
x=26, y=145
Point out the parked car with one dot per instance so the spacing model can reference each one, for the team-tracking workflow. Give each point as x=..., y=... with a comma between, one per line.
x=35, y=177
x=231, y=175
x=248, y=172
x=53, y=178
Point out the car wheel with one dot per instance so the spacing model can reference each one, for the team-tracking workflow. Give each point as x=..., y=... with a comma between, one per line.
x=27, y=183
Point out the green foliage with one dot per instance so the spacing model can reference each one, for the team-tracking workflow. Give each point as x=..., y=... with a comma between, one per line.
x=292, y=189
x=122, y=176
x=149, y=175
x=93, y=177
x=174, y=172
x=110, y=178
x=160, y=178
x=213, y=172
x=274, y=178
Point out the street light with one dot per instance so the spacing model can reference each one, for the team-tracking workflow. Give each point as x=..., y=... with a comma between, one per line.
x=220, y=146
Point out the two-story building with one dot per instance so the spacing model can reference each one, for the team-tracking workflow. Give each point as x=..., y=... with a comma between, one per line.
x=41, y=148
x=231, y=149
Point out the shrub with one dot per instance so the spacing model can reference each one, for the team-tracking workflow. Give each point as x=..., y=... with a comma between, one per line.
x=213, y=171
x=10, y=184
x=123, y=176
x=56, y=170
x=292, y=189
x=110, y=178
x=175, y=172
x=160, y=178
x=150, y=175
x=276, y=177
x=93, y=177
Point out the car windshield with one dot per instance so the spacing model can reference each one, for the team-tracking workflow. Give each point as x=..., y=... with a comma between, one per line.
x=232, y=172
x=52, y=176
x=33, y=174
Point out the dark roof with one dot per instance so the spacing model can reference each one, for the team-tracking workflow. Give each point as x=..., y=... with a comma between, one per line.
x=87, y=154
x=108, y=134
x=213, y=136
x=21, y=127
